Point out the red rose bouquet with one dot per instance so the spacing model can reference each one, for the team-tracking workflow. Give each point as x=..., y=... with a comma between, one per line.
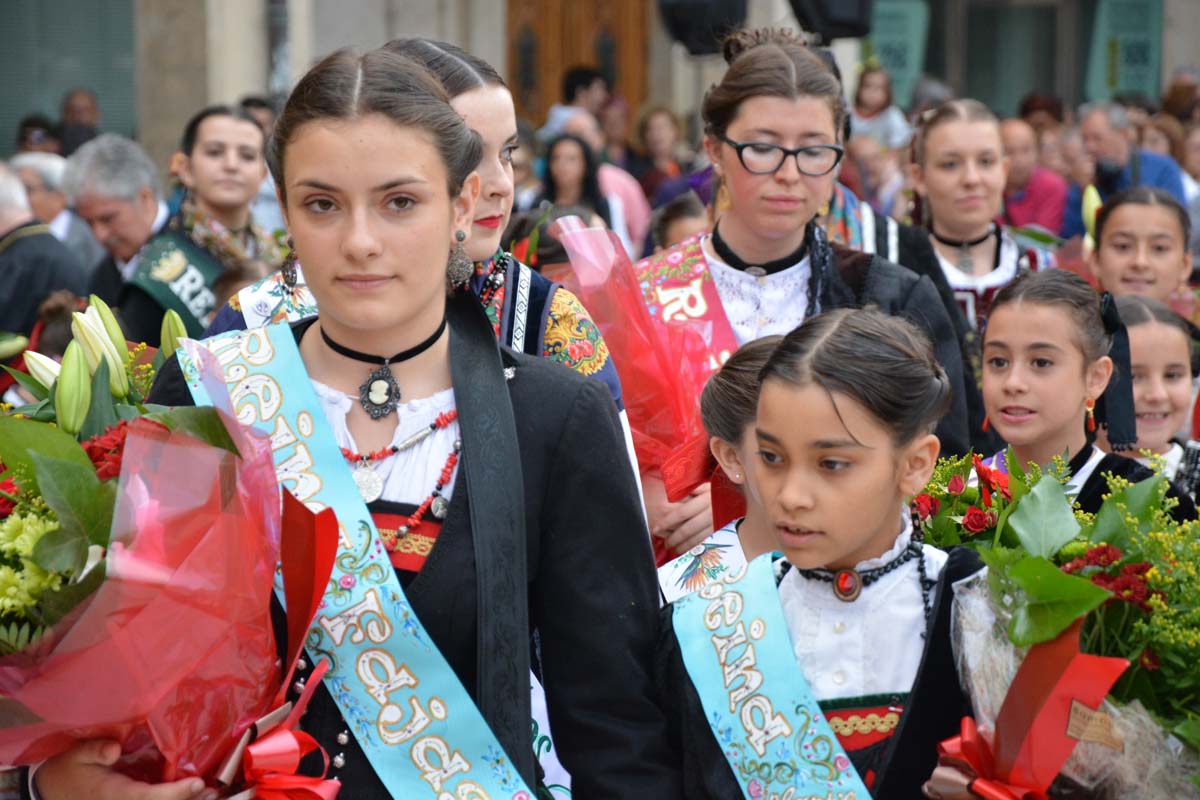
x=1116, y=596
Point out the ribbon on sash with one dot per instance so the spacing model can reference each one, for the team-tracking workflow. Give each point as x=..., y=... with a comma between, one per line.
x=413, y=718
x=737, y=651
x=1049, y=708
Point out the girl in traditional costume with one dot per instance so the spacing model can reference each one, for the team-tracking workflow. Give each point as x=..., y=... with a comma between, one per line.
x=518, y=511
x=727, y=407
x=1160, y=354
x=1048, y=361
x=781, y=677
x=1141, y=248
x=528, y=312
x=773, y=134
x=222, y=167
x=959, y=172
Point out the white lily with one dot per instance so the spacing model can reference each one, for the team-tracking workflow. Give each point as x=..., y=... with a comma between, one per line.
x=88, y=330
x=42, y=369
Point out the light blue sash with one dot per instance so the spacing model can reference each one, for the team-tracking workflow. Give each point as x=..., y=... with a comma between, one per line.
x=738, y=653
x=414, y=720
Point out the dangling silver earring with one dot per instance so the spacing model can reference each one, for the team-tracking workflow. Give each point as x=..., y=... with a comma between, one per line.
x=459, y=268
x=288, y=268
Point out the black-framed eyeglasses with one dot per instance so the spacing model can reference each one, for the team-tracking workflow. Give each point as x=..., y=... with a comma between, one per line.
x=763, y=158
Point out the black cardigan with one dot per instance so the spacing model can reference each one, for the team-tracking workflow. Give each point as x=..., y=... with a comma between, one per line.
x=592, y=591
x=861, y=279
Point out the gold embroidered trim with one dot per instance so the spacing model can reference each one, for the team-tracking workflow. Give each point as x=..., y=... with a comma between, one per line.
x=411, y=544
x=871, y=723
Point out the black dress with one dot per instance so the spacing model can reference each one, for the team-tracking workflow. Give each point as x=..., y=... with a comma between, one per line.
x=933, y=711
x=591, y=587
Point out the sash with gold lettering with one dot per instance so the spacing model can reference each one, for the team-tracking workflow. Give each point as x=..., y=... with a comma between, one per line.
x=417, y=724
x=738, y=653
x=679, y=291
x=179, y=274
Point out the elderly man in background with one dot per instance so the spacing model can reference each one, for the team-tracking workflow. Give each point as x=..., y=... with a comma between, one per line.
x=42, y=175
x=1119, y=164
x=32, y=262
x=1033, y=195
x=150, y=267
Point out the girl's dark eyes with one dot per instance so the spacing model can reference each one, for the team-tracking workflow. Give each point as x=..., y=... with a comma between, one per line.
x=834, y=464
x=320, y=205
x=1042, y=363
x=507, y=153
x=768, y=457
x=996, y=362
x=401, y=203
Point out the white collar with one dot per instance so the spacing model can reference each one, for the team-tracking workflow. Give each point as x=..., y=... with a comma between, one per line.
x=59, y=225
x=129, y=267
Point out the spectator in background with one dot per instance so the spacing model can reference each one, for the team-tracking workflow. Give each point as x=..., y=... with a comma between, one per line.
x=1033, y=195
x=879, y=170
x=680, y=219
x=42, y=176
x=113, y=187
x=614, y=122
x=32, y=262
x=658, y=138
x=630, y=211
x=1120, y=164
x=1078, y=167
x=1163, y=134
x=1041, y=111
x=36, y=134
x=265, y=205
x=874, y=113
x=1191, y=152
x=1138, y=108
x=1179, y=99
x=80, y=121
x=1050, y=153
x=928, y=93
x=583, y=88
x=571, y=177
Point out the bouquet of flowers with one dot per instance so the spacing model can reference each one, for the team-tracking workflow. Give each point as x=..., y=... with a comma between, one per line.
x=121, y=526
x=1121, y=588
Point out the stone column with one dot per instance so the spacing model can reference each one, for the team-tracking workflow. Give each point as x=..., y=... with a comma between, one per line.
x=190, y=55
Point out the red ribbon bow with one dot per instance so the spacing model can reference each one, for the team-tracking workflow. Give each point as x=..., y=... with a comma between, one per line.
x=271, y=762
x=1032, y=741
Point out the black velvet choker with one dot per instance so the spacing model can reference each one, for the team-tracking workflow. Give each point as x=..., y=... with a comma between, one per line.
x=769, y=268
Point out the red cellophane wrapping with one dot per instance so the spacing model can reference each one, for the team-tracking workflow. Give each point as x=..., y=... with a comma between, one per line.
x=661, y=377
x=174, y=654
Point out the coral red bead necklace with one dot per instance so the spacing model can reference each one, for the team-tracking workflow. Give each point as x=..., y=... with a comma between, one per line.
x=370, y=483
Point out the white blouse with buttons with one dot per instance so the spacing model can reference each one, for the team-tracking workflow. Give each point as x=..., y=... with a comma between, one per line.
x=410, y=475
x=871, y=645
x=763, y=305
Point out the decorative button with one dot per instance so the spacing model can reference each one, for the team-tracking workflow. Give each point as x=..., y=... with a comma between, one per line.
x=839, y=627
x=339, y=761
x=839, y=677
x=301, y=665
x=298, y=686
x=343, y=738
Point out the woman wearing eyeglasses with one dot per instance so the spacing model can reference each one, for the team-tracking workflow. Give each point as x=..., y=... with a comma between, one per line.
x=772, y=133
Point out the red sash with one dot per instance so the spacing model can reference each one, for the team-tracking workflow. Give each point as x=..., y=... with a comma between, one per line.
x=680, y=295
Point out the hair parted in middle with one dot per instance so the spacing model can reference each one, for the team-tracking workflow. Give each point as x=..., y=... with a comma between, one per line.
x=769, y=62
x=884, y=363
x=1060, y=288
x=347, y=86
x=960, y=110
